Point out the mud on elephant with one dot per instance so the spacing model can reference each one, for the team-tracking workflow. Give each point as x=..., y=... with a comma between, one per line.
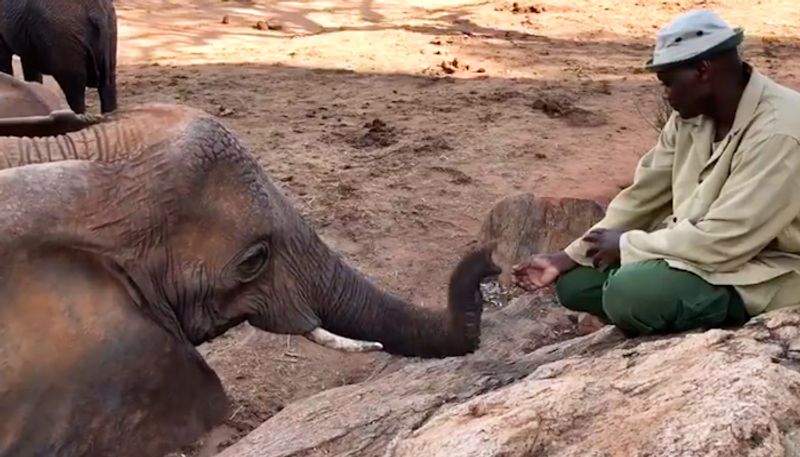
x=127, y=243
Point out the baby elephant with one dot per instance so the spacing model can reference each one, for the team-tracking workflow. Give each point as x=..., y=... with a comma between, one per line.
x=75, y=41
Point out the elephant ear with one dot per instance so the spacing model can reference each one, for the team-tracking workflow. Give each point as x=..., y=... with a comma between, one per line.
x=85, y=372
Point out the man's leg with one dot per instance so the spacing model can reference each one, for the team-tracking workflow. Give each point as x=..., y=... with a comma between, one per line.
x=650, y=297
x=581, y=289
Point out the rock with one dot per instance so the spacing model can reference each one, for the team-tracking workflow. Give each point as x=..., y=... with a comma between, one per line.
x=370, y=418
x=268, y=25
x=226, y=19
x=524, y=225
x=716, y=393
x=449, y=67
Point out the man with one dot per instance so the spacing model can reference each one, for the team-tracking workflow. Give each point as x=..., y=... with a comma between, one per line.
x=708, y=234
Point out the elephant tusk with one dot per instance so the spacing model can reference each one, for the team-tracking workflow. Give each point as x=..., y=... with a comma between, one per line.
x=340, y=343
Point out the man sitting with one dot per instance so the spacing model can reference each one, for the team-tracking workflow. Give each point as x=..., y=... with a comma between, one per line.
x=708, y=234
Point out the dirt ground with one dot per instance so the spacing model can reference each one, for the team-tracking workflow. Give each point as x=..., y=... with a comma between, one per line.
x=395, y=125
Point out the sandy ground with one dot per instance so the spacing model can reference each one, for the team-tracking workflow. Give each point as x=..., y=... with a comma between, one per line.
x=395, y=125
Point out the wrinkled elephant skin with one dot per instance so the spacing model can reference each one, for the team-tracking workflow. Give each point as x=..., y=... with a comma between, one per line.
x=126, y=245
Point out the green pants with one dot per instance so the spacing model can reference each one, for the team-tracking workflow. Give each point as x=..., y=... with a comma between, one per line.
x=650, y=297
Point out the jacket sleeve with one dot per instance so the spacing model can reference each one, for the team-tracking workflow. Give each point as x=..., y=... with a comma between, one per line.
x=638, y=205
x=760, y=199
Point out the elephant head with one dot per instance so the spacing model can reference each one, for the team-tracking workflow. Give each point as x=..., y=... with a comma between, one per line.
x=209, y=241
x=158, y=214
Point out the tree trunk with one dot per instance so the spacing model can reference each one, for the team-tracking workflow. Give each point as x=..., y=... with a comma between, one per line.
x=523, y=225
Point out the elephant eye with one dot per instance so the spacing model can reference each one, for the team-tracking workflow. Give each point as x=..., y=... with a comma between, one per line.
x=253, y=262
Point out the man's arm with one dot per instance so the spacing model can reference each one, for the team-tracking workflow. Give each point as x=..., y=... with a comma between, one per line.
x=759, y=200
x=638, y=205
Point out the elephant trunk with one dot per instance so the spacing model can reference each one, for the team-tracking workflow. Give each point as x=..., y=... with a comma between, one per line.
x=56, y=123
x=357, y=309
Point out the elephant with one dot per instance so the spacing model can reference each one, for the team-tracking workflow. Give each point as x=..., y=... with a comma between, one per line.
x=75, y=41
x=30, y=109
x=24, y=99
x=129, y=241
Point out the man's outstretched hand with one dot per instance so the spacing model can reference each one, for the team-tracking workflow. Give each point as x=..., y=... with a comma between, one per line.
x=541, y=270
x=604, y=247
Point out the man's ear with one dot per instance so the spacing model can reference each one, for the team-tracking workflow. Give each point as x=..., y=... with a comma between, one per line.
x=704, y=70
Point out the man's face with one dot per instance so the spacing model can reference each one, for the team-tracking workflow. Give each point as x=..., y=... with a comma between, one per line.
x=686, y=89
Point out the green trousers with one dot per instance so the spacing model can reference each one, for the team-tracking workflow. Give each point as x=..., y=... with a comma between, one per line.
x=650, y=297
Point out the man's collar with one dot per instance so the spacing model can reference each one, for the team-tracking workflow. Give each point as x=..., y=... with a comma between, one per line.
x=748, y=103
x=750, y=99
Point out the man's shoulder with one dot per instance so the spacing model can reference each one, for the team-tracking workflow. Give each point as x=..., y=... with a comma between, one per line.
x=778, y=111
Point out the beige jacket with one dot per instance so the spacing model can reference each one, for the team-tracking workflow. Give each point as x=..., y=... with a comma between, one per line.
x=731, y=215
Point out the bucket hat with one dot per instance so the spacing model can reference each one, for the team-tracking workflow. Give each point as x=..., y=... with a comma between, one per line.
x=693, y=36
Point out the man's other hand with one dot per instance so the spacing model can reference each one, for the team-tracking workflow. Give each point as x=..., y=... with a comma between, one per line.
x=604, y=247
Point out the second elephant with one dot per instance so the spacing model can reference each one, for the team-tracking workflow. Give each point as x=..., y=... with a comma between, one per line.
x=75, y=41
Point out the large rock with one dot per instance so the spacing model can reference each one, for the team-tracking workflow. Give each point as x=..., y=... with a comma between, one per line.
x=715, y=393
x=718, y=393
x=368, y=418
x=523, y=225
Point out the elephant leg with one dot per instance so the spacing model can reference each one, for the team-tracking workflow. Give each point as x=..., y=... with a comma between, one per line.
x=74, y=88
x=108, y=94
x=6, y=57
x=31, y=72
x=107, y=81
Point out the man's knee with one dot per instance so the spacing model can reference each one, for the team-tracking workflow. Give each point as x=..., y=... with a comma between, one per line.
x=637, y=299
x=582, y=290
x=570, y=290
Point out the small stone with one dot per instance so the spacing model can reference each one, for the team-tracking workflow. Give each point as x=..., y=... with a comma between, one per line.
x=226, y=19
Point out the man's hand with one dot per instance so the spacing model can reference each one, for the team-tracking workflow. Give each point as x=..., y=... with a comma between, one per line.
x=604, y=249
x=541, y=270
